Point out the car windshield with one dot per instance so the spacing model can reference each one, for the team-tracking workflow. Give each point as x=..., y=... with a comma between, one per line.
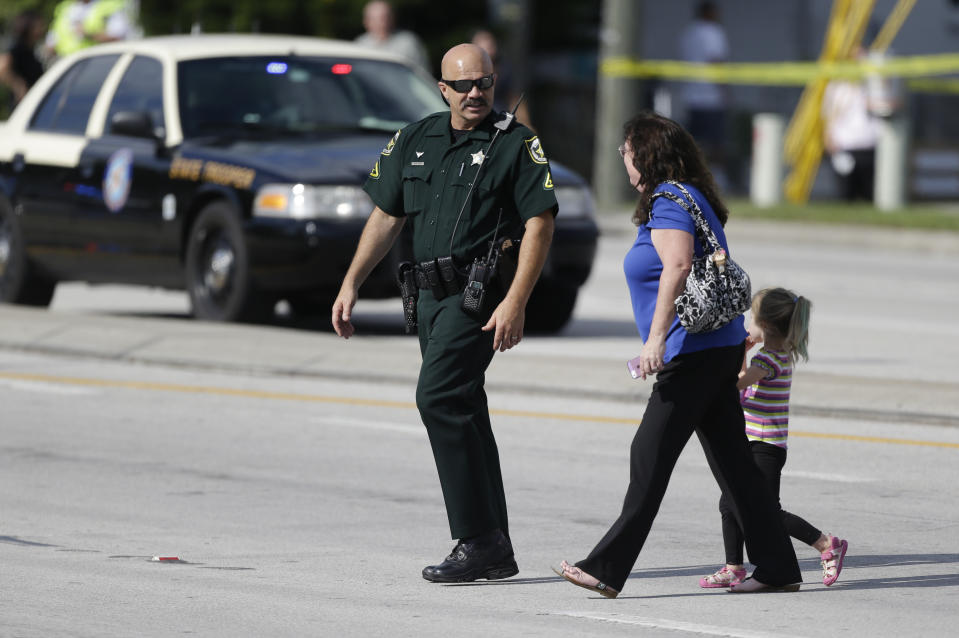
x=297, y=95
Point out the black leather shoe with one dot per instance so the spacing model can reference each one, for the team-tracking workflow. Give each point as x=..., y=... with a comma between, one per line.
x=489, y=557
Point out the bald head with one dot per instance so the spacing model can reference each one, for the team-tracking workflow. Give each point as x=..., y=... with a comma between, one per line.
x=466, y=62
x=466, y=59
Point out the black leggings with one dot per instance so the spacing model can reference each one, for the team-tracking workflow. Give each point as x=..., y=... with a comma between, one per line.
x=770, y=460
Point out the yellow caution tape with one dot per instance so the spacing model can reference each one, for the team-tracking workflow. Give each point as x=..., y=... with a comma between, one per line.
x=781, y=73
x=922, y=85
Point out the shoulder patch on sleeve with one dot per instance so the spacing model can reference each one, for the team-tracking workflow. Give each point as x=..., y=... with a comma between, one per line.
x=391, y=144
x=535, y=148
x=375, y=173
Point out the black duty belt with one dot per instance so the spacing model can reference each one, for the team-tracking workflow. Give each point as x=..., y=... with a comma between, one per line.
x=441, y=276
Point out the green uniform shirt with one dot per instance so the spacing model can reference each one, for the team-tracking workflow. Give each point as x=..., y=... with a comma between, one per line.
x=425, y=175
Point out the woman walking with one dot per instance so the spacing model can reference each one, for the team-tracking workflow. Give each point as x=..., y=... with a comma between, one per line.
x=696, y=374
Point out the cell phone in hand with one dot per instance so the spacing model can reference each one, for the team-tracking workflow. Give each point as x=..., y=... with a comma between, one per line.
x=634, y=368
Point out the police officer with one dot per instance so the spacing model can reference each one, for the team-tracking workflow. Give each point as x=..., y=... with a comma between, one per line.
x=424, y=175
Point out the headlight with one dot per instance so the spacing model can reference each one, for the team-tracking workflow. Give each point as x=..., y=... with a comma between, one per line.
x=575, y=202
x=299, y=201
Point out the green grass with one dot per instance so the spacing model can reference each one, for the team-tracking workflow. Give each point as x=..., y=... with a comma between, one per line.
x=938, y=216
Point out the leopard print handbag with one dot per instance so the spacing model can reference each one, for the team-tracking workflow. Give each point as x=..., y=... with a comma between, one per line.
x=717, y=289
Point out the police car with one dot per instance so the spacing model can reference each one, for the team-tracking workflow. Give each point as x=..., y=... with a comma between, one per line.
x=228, y=166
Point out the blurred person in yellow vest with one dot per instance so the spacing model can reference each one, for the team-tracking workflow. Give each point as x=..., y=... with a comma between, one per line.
x=78, y=24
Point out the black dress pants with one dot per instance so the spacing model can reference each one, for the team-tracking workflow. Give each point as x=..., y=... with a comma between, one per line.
x=452, y=404
x=695, y=392
x=770, y=460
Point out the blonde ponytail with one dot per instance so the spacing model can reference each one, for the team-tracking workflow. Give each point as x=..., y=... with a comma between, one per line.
x=786, y=314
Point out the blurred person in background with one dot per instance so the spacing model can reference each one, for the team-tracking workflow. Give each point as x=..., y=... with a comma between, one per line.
x=19, y=66
x=704, y=41
x=379, y=22
x=78, y=24
x=507, y=92
x=851, y=110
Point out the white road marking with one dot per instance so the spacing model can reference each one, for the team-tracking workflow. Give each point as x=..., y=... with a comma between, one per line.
x=821, y=476
x=673, y=625
x=47, y=388
x=400, y=428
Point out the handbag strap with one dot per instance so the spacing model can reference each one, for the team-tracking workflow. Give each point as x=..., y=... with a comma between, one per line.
x=704, y=232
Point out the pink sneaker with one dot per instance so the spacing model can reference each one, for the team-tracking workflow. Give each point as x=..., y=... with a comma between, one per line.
x=723, y=578
x=832, y=561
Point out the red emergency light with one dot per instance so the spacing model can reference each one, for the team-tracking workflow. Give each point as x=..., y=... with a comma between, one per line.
x=342, y=69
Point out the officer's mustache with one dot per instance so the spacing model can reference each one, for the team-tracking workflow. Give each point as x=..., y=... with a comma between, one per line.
x=475, y=101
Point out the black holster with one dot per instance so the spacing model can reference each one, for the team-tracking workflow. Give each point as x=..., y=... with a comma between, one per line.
x=409, y=293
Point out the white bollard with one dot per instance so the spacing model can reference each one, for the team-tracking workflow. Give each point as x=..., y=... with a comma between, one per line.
x=889, y=191
x=766, y=172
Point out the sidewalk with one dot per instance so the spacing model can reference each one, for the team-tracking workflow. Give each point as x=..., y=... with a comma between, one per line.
x=549, y=366
x=615, y=222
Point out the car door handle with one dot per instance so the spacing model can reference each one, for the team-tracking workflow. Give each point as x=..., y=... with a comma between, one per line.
x=86, y=169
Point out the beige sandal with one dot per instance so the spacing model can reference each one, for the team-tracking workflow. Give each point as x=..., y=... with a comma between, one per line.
x=566, y=571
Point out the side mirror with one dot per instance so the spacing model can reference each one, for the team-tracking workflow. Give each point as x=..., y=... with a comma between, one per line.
x=133, y=124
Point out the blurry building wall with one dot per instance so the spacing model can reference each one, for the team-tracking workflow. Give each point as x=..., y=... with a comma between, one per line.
x=563, y=78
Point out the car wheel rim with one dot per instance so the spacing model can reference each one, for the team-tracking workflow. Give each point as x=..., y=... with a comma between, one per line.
x=218, y=268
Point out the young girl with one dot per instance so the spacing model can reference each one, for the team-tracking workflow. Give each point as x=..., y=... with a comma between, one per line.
x=780, y=321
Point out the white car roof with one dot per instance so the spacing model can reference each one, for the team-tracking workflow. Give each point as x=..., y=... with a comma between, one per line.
x=174, y=48
x=207, y=45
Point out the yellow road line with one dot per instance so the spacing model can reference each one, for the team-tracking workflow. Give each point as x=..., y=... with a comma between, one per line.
x=872, y=439
x=195, y=389
x=314, y=398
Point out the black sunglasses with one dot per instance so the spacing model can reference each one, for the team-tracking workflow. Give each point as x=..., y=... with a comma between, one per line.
x=465, y=86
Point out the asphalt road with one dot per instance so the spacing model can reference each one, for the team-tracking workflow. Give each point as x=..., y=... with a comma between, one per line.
x=288, y=471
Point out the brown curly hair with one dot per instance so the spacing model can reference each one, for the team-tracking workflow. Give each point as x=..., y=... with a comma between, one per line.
x=664, y=150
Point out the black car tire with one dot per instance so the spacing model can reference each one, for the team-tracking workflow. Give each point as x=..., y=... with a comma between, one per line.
x=218, y=268
x=19, y=281
x=550, y=306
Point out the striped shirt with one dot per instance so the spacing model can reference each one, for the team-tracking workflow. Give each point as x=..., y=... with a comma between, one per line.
x=766, y=402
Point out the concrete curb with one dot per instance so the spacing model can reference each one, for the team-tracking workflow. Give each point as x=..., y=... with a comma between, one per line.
x=540, y=368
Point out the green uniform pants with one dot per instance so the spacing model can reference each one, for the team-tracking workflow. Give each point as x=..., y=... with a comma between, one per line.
x=452, y=404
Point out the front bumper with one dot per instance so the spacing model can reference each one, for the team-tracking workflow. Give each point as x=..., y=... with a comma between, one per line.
x=312, y=256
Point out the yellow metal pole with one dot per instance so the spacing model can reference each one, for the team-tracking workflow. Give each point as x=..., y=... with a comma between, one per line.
x=893, y=23
x=804, y=139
